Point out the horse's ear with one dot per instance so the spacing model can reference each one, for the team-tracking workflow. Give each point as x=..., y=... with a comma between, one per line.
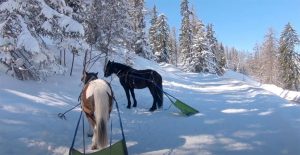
x=97, y=73
x=85, y=72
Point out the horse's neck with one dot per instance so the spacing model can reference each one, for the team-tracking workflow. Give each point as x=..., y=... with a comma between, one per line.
x=91, y=79
x=123, y=70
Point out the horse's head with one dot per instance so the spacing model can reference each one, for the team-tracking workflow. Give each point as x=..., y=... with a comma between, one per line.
x=108, y=69
x=89, y=76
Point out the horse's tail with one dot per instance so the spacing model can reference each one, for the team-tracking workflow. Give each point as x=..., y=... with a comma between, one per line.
x=101, y=116
x=160, y=91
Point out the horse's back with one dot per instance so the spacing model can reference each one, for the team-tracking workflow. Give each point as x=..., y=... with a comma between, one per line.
x=147, y=72
x=99, y=86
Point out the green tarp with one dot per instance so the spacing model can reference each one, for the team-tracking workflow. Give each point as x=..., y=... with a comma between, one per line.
x=119, y=148
x=184, y=108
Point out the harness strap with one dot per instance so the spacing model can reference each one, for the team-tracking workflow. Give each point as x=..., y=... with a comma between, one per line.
x=83, y=137
x=74, y=137
x=121, y=125
x=110, y=141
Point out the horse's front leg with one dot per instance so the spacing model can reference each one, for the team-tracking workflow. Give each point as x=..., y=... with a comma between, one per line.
x=128, y=97
x=133, y=96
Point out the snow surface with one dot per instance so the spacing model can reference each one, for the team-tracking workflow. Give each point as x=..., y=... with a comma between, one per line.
x=236, y=116
x=287, y=94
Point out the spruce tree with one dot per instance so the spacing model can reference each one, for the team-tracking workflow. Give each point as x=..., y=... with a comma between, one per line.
x=222, y=62
x=141, y=46
x=185, y=37
x=109, y=25
x=153, y=34
x=174, y=47
x=200, y=46
x=289, y=73
x=163, y=31
x=214, y=49
x=33, y=20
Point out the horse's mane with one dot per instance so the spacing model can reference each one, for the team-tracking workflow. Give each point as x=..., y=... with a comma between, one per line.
x=121, y=66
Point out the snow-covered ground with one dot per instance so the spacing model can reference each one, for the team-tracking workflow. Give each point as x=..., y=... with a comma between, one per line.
x=293, y=96
x=236, y=116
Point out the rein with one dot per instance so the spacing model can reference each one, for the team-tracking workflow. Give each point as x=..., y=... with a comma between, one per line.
x=63, y=115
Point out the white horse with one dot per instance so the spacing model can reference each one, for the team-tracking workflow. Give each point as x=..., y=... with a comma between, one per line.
x=96, y=102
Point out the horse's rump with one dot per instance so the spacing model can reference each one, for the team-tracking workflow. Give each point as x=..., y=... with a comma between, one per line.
x=96, y=102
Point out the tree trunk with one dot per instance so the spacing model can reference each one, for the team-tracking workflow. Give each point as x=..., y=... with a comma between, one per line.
x=84, y=62
x=91, y=53
x=60, y=57
x=65, y=58
x=72, y=64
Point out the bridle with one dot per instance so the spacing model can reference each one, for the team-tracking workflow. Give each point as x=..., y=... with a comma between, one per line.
x=90, y=79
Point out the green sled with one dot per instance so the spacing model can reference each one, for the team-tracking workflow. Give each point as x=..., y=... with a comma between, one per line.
x=119, y=148
x=184, y=108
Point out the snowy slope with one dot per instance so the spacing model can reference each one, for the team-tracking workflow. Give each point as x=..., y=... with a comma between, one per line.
x=236, y=117
x=286, y=94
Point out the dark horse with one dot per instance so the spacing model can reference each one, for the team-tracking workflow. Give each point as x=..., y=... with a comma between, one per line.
x=131, y=78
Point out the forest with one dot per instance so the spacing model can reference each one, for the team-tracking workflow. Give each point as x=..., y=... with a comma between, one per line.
x=35, y=36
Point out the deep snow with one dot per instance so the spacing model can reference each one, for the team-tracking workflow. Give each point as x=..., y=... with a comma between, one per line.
x=236, y=116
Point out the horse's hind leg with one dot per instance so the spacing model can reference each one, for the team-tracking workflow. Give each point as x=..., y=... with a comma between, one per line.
x=128, y=97
x=91, y=128
x=153, y=93
x=90, y=132
x=133, y=96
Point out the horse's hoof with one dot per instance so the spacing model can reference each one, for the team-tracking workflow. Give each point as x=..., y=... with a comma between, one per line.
x=134, y=105
x=128, y=107
x=94, y=147
x=90, y=134
x=152, y=109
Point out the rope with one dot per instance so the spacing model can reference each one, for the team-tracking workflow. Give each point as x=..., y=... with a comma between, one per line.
x=62, y=115
x=83, y=137
x=122, y=130
x=73, y=141
x=110, y=137
x=120, y=121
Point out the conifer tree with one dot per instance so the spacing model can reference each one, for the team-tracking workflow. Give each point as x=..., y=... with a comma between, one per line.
x=222, y=62
x=216, y=56
x=200, y=45
x=153, y=37
x=109, y=25
x=163, y=31
x=269, y=63
x=174, y=47
x=289, y=70
x=141, y=46
x=185, y=37
x=35, y=19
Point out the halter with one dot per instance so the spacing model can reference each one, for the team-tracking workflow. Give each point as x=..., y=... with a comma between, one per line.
x=91, y=79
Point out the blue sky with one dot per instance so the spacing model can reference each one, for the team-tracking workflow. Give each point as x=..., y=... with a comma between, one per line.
x=238, y=23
